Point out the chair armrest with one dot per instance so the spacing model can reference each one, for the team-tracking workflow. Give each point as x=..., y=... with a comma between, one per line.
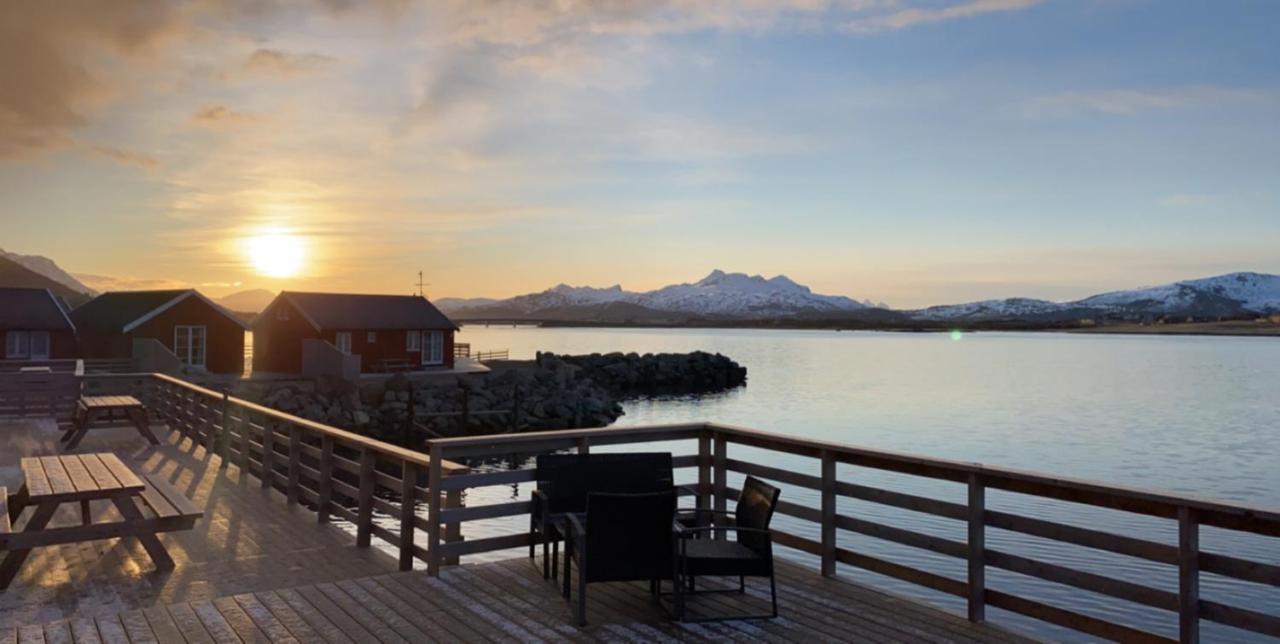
x=685, y=532
x=574, y=530
x=539, y=500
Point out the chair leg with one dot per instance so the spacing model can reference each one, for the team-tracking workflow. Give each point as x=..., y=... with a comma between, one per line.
x=742, y=585
x=555, y=557
x=582, y=594
x=568, y=555
x=546, y=557
x=773, y=592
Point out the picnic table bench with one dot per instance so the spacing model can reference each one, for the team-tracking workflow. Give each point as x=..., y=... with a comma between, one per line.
x=147, y=505
x=92, y=408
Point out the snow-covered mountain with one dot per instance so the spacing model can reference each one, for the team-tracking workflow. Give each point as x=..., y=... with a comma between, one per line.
x=1233, y=294
x=717, y=294
x=46, y=267
x=251, y=301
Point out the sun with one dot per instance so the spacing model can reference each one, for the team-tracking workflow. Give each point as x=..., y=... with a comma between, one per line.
x=276, y=254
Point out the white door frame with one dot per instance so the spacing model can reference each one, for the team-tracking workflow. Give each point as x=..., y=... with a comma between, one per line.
x=204, y=344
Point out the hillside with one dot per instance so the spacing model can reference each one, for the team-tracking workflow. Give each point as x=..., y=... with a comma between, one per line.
x=15, y=275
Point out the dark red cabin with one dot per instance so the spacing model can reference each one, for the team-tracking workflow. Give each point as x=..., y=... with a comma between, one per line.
x=386, y=331
x=202, y=334
x=36, y=325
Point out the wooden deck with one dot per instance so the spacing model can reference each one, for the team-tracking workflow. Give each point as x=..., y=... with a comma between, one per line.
x=248, y=540
x=508, y=601
x=255, y=569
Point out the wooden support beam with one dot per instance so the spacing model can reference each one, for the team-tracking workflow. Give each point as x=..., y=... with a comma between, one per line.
x=324, y=487
x=434, y=502
x=295, y=464
x=584, y=445
x=1188, y=576
x=408, y=481
x=828, y=515
x=977, y=549
x=268, y=454
x=704, y=470
x=224, y=434
x=364, y=512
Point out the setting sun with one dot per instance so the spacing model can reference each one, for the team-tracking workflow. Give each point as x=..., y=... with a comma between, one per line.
x=276, y=254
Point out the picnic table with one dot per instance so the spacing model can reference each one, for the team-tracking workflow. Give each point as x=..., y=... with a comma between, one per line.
x=93, y=408
x=50, y=481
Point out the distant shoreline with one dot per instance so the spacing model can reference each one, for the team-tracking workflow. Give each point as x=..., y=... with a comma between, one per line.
x=1240, y=328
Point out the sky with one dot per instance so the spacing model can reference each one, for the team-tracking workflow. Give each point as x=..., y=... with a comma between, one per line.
x=913, y=152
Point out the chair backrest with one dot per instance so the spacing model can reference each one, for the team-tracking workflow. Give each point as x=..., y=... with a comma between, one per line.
x=567, y=479
x=755, y=510
x=629, y=536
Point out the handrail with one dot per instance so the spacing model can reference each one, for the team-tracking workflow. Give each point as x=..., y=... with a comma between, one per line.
x=386, y=449
x=713, y=465
x=308, y=462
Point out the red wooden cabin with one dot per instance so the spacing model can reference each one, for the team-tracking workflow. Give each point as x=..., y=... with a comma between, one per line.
x=386, y=331
x=202, y=334
x=35, y=325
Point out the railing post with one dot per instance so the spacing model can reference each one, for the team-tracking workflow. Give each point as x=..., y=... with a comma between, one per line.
x=246, y=424
x=408, y=482
x=828, y=514
x=584, y=445
x=364, y=511
x=224, y=435
x=721, y=472
x=452, y=531
x=704, y=470
x=434, y=498
x=295, y=464
x=324, y=487
x=268, y=453
x=977, y=549
x=1188, y=576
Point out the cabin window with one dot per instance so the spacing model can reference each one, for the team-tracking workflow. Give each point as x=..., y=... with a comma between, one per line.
x=343, y=339
x=413, y=341
x=371, y=337
x=17, y=344
x=433, y=353
x=282, y=313
x=39, y=345
x=189, y=344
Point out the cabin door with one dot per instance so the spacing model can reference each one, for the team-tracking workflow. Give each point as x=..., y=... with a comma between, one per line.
x=189, y=344
x=39, y=345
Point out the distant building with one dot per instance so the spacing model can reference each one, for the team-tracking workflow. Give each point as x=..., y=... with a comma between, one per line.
x=202, y=334
x=36, y=325
x=387, y=332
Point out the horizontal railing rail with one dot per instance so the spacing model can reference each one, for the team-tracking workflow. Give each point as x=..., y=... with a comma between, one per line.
x=713, y=465
x=334, y=471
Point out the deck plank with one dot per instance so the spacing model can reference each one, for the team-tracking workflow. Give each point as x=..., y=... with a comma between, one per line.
x=189, y=624
x=335, y=625
x=84, y=630
x=290, y=619
x=264, y=619
x=162, y=624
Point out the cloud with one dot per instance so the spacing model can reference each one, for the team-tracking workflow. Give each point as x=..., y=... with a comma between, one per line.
x=46, y=80
x=219, y=115
x=913, y=16
x=1189, y=200
x=103, y=283
x=1128, y=101
x=282, y=63
x=126, y=157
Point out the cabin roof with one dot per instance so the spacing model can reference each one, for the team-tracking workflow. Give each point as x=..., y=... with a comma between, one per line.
x=123, y=311
x=349, y=311
x=35, y=309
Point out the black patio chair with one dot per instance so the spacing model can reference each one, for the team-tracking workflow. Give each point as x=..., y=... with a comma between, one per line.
x=749, y=555
x=565, y=480
x=623, y=537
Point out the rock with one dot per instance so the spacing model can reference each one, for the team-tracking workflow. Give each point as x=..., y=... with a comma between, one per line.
x=360, y=418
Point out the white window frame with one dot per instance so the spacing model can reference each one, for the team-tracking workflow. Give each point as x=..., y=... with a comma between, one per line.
x=370, y=337
x=17, y=345
x=413, y=341
x=282, y=313
x=342, y=340
x=187, y=360
x=433, y=347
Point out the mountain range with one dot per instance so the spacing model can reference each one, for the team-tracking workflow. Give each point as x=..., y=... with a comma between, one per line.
x=722, y=295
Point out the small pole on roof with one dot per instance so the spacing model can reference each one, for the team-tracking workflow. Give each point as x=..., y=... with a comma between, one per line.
x=421, y=292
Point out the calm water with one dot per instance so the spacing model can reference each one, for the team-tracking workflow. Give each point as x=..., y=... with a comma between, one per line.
x=1188, y=414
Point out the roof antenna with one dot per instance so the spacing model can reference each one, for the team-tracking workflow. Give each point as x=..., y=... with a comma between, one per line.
x=421, y=293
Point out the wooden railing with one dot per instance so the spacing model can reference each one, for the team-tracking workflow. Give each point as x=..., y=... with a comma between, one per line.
x=713, y=464
x=333, y=471
x=497, y=354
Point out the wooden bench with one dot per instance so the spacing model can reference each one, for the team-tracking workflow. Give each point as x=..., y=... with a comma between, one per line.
x=172, y=510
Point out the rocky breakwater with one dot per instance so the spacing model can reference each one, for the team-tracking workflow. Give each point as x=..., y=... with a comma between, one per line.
x=655, y=374
x=552, y=392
